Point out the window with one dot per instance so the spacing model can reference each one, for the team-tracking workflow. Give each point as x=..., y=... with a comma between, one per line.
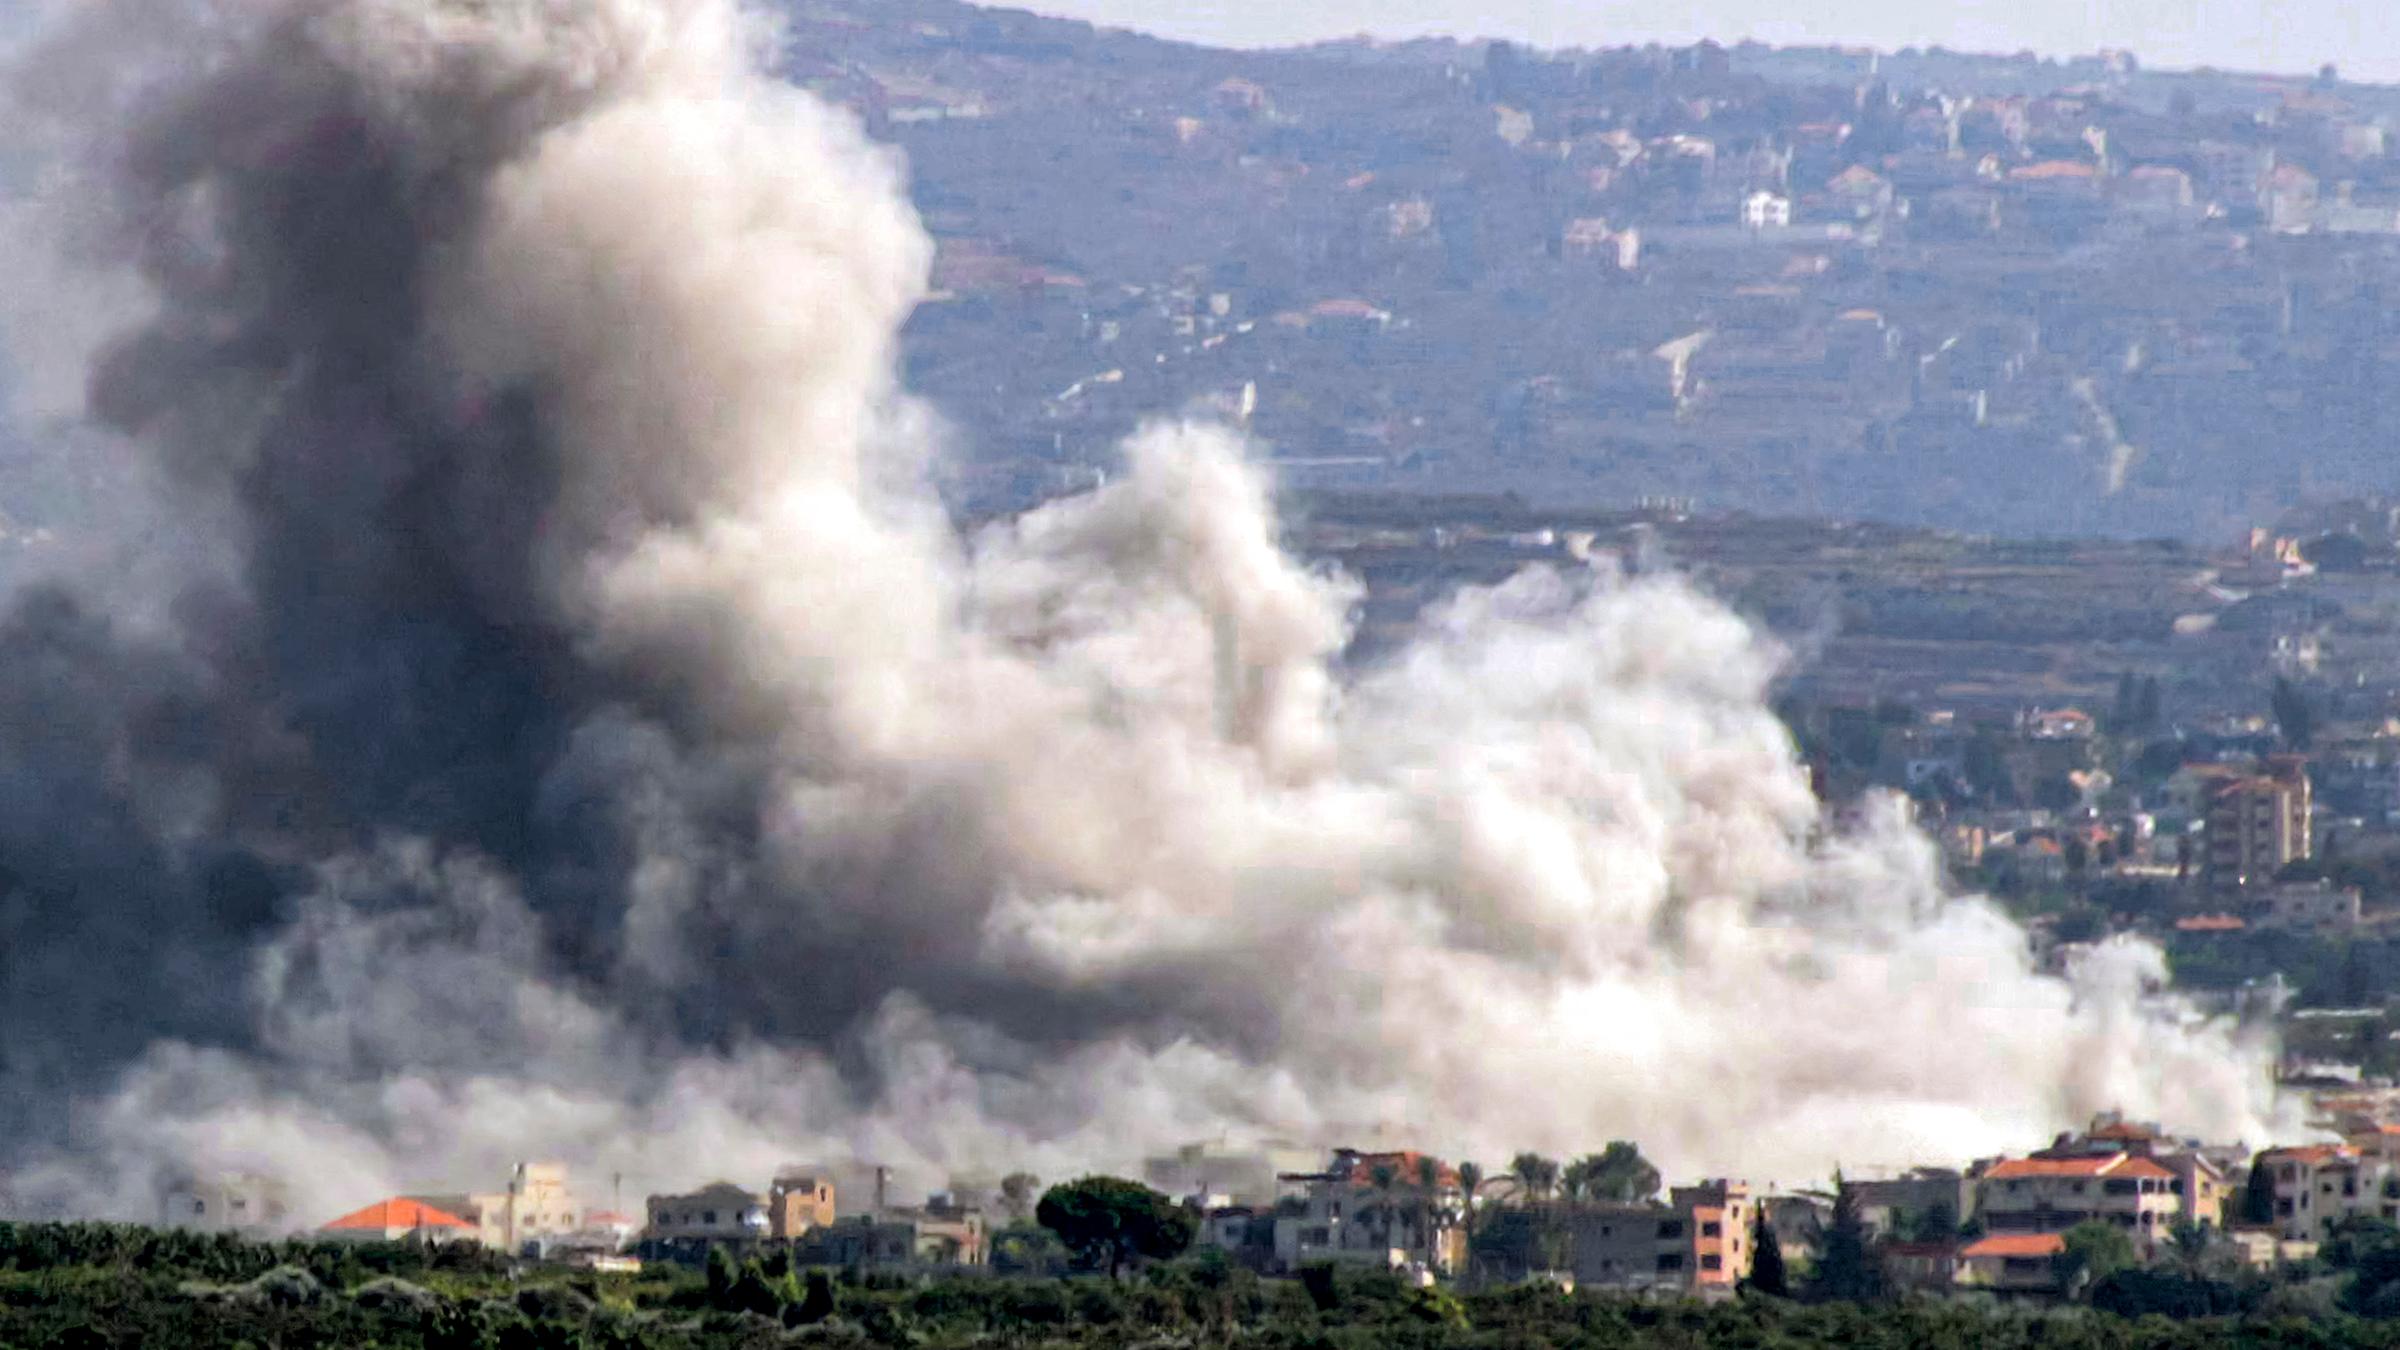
x=1712, y=1262
x=1712, y=1229
x=199, y=1206
x=708, y=1216
x=1670, y=1228
x=1670, y=1260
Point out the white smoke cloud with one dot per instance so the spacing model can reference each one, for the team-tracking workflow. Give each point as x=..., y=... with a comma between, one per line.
x=1082, y=813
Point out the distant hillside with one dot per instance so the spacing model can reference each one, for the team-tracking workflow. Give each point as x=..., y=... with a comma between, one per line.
x=1977, y=292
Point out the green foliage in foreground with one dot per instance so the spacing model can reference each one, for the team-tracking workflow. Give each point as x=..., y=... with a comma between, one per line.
x=89, y=1286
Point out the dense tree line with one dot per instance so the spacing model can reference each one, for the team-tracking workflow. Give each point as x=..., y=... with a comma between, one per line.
x=99, y=1286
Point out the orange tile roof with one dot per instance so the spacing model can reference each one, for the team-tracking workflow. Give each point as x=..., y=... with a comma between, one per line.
x=2055, y=168
x=2211, y=923
x=2017, y=1244
x=398, y=1212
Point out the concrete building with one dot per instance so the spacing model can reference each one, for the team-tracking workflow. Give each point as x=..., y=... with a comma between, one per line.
x=717, y=1212
x=1700, y=1239
x=2256, y=825
x=1910, y=1206
x=2316, y=906
x=251, y=1206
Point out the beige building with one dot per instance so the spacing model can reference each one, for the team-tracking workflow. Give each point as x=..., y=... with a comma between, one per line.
x=2317, y=1186
x=1700, y=1239
x=538, y=1206
x=801, y=1199
x=2256, y=825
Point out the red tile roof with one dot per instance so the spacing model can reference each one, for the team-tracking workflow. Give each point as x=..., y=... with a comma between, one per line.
x=2108, y=1165
x=2017, y=1244
x=398, y=1212
x=2308, y=1153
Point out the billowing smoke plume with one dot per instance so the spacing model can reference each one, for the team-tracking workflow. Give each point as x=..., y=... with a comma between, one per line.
x=551, y=718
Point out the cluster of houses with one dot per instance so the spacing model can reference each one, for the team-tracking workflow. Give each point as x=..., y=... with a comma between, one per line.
x=1998, y=1225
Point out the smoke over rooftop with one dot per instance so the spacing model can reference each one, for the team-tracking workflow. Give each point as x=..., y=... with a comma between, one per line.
x=542, y=710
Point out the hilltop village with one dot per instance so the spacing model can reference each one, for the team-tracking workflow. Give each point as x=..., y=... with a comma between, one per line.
x=1987, y=293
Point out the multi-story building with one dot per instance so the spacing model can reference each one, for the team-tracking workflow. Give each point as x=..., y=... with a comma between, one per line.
x=2256, y=825
x=2053, y=1194
x=1699, y=1239
x=538, y=1206
x=1400, y=1209
x=2317, y=1186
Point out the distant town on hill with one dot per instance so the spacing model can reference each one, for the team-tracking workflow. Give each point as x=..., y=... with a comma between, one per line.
x=1993, y=294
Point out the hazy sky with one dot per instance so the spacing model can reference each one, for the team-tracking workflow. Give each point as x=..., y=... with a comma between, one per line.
x=2361, y=36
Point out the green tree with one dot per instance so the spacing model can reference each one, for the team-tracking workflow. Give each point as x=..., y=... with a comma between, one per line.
x=1767, y=1275
x=2094, y=1251
x=1618, y=1173
x=1385, y=1178
x=816, y=1304
x=2295, y=720
x=1107, y=1222
x=1849, y=1265
x=720, y=1276
x=1536, y=1174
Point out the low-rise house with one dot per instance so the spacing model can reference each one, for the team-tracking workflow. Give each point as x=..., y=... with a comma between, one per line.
x=1924, y=1204
x=1929, y=1266
x=902, y=1240
x=717, y=1212
x=244, y=1204
x=2022, y=1263
x=2316, y=906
